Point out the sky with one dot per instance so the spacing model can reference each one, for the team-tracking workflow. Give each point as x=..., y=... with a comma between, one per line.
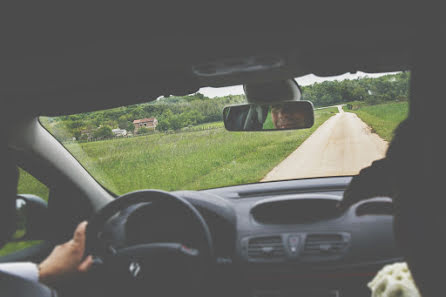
x=302, y=81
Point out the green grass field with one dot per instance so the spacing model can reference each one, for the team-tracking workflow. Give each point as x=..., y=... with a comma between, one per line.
x=206, y=126
x=382, y=118
x=189, y=161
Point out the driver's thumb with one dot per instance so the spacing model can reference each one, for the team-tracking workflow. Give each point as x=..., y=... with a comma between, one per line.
x=79, y=233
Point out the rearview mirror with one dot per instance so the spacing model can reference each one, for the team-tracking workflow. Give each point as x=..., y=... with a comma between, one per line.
x=267, y=117
x=32, y=215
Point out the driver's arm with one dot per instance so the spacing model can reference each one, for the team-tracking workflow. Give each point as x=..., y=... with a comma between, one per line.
x=65, y=262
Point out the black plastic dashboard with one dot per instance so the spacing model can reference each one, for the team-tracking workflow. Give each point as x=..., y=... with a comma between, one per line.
x=305, y=210
x=291, y=234
x=288, y=236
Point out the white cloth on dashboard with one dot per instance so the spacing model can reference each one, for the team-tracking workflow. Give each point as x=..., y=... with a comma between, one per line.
x=26, y=270
x=394, y=280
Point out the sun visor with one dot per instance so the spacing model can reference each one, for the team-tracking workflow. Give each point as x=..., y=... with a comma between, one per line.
x=248, y=69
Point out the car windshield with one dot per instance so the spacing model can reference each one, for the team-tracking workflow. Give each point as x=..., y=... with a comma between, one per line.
x=180, y=143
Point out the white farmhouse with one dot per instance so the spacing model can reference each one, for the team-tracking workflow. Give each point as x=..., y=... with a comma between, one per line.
x=119, y=132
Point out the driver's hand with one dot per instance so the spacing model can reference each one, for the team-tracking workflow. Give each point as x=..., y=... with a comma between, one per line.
x=66, y=261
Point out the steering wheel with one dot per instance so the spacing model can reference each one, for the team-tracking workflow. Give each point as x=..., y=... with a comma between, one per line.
x=162, y=268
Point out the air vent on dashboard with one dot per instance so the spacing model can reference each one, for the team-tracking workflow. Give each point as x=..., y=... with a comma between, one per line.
x=266, y=248
x=325, y=245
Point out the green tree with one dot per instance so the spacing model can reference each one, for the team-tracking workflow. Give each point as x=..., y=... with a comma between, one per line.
x=123, y=122
x=130, y=127
x=103, y=132
x=77, y=133
x=163, y=124
x=143, y=130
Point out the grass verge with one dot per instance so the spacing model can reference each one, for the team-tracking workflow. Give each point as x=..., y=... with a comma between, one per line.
x=382, y=118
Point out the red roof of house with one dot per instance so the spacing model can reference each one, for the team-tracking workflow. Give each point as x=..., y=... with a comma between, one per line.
x=146, y=120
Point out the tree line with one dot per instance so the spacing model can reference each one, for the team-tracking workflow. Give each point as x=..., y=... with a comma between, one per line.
x=172, y=113
x=369, y=90
x=177, y=112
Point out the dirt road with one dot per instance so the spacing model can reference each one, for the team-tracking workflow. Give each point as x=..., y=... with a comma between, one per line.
x=343, y=145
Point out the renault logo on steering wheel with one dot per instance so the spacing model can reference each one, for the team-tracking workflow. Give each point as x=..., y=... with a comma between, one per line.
x=134, y=269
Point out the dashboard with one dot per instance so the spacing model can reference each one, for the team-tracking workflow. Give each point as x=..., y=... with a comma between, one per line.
x=284, y=238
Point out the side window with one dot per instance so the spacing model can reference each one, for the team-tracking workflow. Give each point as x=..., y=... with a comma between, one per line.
x=27, y=185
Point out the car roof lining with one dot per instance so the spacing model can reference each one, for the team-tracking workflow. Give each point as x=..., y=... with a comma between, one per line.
x=106, y=73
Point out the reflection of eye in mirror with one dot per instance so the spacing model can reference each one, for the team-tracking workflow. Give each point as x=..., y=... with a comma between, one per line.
x=278, y=116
